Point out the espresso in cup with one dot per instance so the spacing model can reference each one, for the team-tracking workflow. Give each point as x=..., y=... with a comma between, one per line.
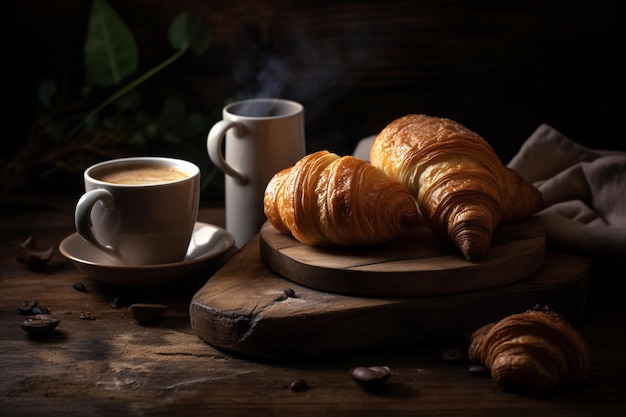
x=140, y=211
x=143, y=174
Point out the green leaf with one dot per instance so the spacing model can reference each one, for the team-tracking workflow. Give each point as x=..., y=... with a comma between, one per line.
x=192, y=126
x=47, y=89
x=130, y=102
x=173, y=111
x=110, y=49
x=137, y=140
x=189, y=31
x=171, y=138
x=195, y=124
x=151, y=130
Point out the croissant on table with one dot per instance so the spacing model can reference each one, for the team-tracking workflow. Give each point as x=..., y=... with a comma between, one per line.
x=537, y=349
x=461, y=186
x=327, y=199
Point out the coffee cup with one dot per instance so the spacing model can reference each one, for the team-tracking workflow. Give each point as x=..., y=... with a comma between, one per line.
x=140, y=211
x=262, y=136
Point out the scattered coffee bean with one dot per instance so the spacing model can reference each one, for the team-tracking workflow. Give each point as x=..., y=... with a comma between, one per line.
x=39, y=326
x=27, y=307
x=289, y=292
x=479, y=370
x=145, y=313
x=298, y=385
x=79, y=286
x=86, y=316
x=371, y=377
x=32, y=307
x=117, y=302
x=453, y=355
x=31, y=255
x=40, y=310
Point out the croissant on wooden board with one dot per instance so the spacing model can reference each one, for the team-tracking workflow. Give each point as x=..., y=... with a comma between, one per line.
x=327, y=199
x=461, y=186
x=537, y=350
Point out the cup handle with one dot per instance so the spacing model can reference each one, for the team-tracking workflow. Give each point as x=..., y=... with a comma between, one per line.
x=214, y=147
x=82, y=215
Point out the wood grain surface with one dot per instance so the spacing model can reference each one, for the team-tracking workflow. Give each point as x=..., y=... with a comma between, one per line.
x=244, y=309
x=415, y=264
x=107, y=365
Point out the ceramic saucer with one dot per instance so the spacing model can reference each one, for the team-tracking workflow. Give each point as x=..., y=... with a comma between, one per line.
x=208, y=243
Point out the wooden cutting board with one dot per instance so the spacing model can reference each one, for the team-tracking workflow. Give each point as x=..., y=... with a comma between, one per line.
x=416, y=264
x=243, y=309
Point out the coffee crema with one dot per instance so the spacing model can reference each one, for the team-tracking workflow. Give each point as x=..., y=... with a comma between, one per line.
x=141, y=174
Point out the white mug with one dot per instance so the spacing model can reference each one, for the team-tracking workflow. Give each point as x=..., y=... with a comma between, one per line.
x=263, y=136
x=140, y=211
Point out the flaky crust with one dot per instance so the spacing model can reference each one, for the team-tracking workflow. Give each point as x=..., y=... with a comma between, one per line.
x=537, y=349
x=327, y=199
x=460, y=184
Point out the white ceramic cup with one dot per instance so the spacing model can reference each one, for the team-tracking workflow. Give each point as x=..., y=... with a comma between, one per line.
x=263, y=136
x=140, y=223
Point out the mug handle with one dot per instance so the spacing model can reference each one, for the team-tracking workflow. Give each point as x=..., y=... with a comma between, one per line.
x=82, y=215
x=214, y=147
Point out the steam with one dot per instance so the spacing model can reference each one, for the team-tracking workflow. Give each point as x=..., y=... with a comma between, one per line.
x=310, y=71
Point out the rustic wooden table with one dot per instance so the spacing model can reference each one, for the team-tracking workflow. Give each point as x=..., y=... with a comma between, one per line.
x=100, y=361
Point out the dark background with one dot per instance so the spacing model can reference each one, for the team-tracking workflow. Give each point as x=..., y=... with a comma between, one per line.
x=502, y=68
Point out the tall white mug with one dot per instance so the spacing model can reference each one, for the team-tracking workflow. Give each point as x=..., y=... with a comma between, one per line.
x=262, y=136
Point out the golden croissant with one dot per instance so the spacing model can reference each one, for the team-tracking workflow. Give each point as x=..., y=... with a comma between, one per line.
x=460, y=184
x=327, y=199
x=537, y=350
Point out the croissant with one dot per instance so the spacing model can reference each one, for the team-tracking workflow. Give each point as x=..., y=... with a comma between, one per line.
x=460, y=184
x=537, y=350
x=326, y=199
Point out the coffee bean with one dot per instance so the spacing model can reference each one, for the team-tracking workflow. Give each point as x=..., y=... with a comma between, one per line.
x=39, y=326
x=479, y=370
x=371, y=377
x=40, y=310
x=79, y=286
x=27, y=307
x=86, y=316
x=32, y=255
x=117, y=302
x=298, y=385
x=146, y=313
x=453, y=355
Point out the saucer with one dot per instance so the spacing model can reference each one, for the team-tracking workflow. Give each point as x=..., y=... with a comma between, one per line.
x=208, y=243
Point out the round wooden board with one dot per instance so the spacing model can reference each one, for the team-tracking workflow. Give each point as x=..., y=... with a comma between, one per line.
x=415, y=264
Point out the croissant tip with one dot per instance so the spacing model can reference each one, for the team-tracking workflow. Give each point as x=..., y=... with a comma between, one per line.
x=470, y=250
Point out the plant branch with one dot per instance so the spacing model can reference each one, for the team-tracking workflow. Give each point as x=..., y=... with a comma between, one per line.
x=127, y=88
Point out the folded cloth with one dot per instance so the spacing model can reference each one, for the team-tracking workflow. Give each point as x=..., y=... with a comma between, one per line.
x=584, y=191
x=362, y=150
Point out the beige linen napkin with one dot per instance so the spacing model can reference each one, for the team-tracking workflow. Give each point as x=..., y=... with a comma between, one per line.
x=584, y=190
